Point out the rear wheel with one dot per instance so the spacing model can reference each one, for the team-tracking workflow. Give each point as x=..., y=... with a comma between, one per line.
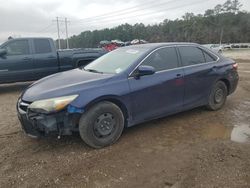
x=217, y=96
x=101, y=125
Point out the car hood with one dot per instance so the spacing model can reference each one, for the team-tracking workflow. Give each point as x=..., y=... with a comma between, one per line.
x=62, y=84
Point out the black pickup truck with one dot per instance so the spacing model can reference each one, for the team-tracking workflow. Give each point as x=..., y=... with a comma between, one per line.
x=27, y=59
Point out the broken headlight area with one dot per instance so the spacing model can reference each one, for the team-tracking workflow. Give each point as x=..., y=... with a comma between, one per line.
x=49, y=116
x=52, y=105
x=60, y=123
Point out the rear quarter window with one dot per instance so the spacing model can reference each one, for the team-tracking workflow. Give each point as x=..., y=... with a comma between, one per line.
x=209, y=57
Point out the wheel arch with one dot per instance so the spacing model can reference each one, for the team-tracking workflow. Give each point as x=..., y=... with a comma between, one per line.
x=113, y=99
x=227, y=83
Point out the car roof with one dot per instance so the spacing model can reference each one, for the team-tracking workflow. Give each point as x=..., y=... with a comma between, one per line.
x=151, y=46
x=26, y=38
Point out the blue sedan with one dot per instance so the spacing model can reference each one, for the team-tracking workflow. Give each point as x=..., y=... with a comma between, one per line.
x=125, y=87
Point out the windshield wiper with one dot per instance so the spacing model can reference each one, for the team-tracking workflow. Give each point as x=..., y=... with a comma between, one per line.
x=93, y=70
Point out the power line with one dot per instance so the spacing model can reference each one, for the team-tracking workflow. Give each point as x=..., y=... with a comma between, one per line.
x=45, y=28
x=127, y=10
x=145, y=14
x=120, y=15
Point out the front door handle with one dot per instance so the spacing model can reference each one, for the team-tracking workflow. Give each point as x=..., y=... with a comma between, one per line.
x=4, y=70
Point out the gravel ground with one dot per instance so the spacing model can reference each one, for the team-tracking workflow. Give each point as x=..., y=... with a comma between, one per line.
x=190, y=149
x=239, y=54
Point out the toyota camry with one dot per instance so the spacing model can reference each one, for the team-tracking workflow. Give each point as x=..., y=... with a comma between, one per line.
x=125, y=87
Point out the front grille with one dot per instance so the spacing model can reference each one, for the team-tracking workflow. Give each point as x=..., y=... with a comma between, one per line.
x=23, y=105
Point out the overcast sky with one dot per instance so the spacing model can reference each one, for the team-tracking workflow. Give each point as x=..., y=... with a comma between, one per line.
x=27, y=18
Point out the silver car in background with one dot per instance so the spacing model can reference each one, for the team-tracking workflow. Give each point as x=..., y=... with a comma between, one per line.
x=215, y=47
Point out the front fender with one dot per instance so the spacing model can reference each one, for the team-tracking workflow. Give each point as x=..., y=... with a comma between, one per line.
x=117, y=90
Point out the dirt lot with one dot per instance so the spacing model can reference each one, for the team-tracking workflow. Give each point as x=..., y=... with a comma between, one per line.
x=190, y=149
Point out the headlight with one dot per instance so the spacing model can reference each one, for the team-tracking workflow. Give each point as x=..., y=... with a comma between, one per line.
x=51, y=105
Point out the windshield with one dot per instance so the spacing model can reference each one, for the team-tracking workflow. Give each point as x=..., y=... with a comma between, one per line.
x=116, y=61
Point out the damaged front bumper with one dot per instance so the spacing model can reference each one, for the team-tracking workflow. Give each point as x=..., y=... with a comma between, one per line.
x=37, y=124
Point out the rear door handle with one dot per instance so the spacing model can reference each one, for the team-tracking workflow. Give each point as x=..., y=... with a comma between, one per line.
x=51, y=57
x=215, y=68
x=27, y=58
x=178, y=75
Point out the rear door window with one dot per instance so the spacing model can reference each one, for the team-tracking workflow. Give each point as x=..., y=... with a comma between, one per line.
x=42, y=46
x=191, y=55
x=162, y=59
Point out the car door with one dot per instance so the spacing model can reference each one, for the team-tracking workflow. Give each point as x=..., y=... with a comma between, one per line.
x=17, y=64
x=200, y=73
x=161, y=93
x=45, y=58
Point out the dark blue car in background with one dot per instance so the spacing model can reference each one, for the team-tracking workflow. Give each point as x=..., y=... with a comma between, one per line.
x=126, y=87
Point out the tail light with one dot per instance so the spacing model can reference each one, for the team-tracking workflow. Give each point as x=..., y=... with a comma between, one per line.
x=235, y=66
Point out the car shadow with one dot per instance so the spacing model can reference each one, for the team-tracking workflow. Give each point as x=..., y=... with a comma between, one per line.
x=15, y=87
x=158, y=121
x=76, y=141
x=52, y=142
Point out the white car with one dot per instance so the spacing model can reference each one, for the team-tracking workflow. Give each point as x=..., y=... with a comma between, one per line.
x=215, y=47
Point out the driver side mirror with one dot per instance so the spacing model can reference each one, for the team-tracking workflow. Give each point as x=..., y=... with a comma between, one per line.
x=144, y=70
x=3, y=52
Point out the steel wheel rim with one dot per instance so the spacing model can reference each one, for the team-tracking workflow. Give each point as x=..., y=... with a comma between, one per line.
x=219, y=95
x=104, y=125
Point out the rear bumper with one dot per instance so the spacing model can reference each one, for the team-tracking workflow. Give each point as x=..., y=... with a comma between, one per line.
x=234, y=79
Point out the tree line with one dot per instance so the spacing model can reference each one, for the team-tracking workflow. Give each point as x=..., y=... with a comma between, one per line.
x=225, y=23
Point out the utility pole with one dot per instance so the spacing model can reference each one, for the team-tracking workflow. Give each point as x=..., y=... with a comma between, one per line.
x=58, y=33
x=67, y=37
x=58, y=21
x=221, y=35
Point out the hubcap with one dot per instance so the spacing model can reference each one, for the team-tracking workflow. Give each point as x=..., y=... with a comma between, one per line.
x=218, y=97
x=104, y=125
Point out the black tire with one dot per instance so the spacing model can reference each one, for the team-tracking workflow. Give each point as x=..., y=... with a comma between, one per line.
x=218, y=96
x=101, y=125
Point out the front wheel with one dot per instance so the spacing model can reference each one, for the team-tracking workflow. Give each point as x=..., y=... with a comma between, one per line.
x=101, y=125
x=218, y=96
